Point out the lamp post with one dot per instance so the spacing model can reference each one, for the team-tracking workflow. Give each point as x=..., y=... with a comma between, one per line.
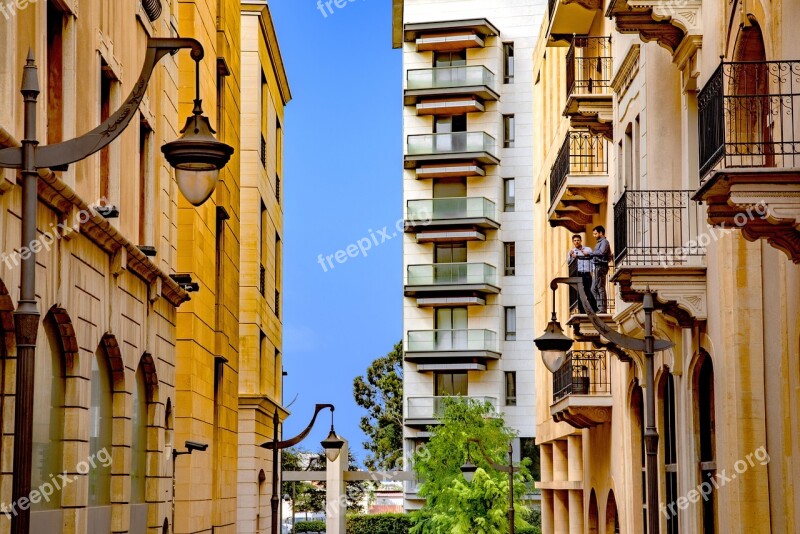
x=332, y=445
x=196, y=146
x=468, y=470
x=553, y=345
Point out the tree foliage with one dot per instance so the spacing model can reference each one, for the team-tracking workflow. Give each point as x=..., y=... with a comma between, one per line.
x=380, y=393
x=454, y=506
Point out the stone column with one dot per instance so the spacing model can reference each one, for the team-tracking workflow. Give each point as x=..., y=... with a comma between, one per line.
x=336, y=493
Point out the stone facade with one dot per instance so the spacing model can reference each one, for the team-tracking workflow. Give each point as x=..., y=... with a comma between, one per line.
x=727, y=298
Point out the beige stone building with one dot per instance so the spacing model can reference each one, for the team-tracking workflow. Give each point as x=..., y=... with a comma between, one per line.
x=265, y=92
x=673, y=125
x=123, y=375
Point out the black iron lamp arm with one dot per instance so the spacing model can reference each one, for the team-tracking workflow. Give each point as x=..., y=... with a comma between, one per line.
x=302, y=435
x=64, y=153
x=499, y=467
x=618, y=339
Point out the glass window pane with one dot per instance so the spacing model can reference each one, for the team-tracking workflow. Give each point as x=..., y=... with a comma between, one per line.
x=509, y=194
x=511, y=324
x=100, y=427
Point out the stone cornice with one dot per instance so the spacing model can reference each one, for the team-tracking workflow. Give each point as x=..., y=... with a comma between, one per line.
x=627, y=71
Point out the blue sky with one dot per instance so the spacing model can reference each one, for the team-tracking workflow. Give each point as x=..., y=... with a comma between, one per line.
x=343, y=183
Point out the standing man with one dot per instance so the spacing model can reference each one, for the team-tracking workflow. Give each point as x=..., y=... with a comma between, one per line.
x=583, y=255
x=600, y=258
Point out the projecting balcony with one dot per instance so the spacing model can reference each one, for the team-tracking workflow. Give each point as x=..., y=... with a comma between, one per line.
x=467, y=149
x=578, y=181
x=570, y=17
x=443, y=284
x=659, y=242
x=750, y=151
x=673, y=24
x=451, y=350
x=426, y=411
x=451, y=219
x=589, y=71
x=449, y=35
x=582, y=389
x=450, y=90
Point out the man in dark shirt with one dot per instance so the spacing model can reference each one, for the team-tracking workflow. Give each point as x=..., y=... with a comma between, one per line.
x=601, y=256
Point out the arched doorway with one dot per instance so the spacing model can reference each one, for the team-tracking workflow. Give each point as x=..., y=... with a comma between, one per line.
x=612, y=516
x=637, y=449
x=594, y=515
x=705, y=435
x=669, y=447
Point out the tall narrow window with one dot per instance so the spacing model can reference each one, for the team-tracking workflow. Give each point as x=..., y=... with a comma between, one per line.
x=706, y=424
x=510, y=258
x=262, y=373
x=509, y=128
x=278, y=271
x=100, y=426
x=278, y=148
x=146, y=183
x=509, y=194
x=55, y=73
x=106, y=81
x=637, y=418
x=511, y=323
x=262, y=244
x=508, y=62
x=139, y=438
x=511, y=388
x=628, y=155
x=670, y=451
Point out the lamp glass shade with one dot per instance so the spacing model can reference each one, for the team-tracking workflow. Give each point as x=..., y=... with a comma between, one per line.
x=553, y=345
x=553, y=359
x=333, y=446
x=196, y=181
x=468, y=470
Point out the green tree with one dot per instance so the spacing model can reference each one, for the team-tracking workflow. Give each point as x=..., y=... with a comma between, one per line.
x=454, y=506
x=380, y=393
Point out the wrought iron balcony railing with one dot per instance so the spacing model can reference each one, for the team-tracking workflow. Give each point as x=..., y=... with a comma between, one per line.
x=449, y=77
x=444, y=274
x=746, y=116
x=449, y=340
x=442, y=209
x=584, y=372
x=589, y=65
x=657, y=228
x=451, y=143
x=582, y=153
x=433, y=407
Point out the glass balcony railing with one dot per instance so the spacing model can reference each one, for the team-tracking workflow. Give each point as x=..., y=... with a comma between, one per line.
x=447, y=340
x=443, y=209
x=445, y=274
x=433, y=407
x=449, y=77
x=451, y=143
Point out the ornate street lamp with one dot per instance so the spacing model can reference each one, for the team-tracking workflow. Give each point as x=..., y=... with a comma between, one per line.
x=195, y=154
x=553, y=341
x=332, y=444
x=469, y=469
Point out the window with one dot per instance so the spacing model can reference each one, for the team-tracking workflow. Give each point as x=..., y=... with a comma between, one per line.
x=670, y=451
x=278, y=272
x=457, y=58
x=451, y=329
x=508, y=62
x=277, y=304
x=139, y=438
x=451, y=384
x=508, y=131
x=705, y=420
x=278, y=148
x=146, y=183
x=449, y=188
x=263, y=244
x=55, y=73
x=509, y=194
x=450, y=253
x=105, y=112
x=510, y=258
x=100, y=426
x=511, y=323
x=278, y=188
x=511, y=388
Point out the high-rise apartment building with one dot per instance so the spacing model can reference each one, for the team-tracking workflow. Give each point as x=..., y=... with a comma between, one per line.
x=468, y=252
x=672, y=124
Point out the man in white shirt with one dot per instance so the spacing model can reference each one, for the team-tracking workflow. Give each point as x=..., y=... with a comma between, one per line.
x=583, y=255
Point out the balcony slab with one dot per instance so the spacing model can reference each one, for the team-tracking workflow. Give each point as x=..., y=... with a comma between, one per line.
x=449, y=301
x=414, y=161
x=582, y=411
x=457, y=170
x=592, y=111
x=450, y=106
x=479, y=92
x=680, y=290
x=452, y=236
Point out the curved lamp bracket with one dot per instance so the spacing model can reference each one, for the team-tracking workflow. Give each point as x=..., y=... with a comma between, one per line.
x=62, y=154
x=499, y=467
x=302, y=435
x=621, y=340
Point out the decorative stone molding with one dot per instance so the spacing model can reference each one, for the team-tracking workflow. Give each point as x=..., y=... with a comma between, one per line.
x=582, y=411
x=627, y=71
x=591, y=5
x=680, y=291
x=667, y=22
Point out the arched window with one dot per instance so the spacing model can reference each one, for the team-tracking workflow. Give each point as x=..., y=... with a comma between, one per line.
x=612, y=516
x=139, y=438
x=168, y=422
x=670, y=451
x=100, y=429
x=48, y=419
x=640, y=459
x=594, y=527
x=707, y=441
